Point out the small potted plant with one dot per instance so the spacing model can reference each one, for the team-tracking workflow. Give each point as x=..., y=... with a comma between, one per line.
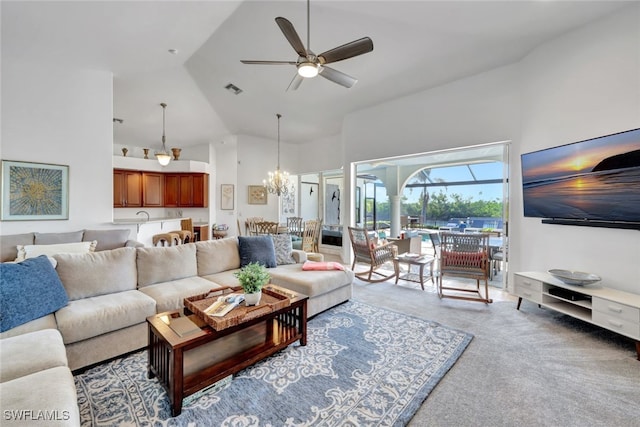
x=252, y=278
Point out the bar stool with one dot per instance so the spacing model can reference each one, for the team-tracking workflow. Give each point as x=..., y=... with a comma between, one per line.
x=166, y=239
x=185, y=236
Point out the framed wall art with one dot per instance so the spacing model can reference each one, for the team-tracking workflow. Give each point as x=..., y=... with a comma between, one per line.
x=226, y=197
x=34, y=191
x=257, y=195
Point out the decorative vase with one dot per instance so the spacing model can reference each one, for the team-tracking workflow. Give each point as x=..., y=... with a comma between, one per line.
x=124, y=152
x=176, y=153
x=146, y=153
x=252, y=299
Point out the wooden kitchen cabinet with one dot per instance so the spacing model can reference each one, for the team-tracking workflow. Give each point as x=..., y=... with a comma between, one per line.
x=127, y=189
x=152, y=189
x=186, y=190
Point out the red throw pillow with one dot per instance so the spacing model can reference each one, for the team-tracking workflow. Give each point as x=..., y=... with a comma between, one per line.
x=321, y=266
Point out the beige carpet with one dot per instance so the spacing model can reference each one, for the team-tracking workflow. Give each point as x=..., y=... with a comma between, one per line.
x=532, y=367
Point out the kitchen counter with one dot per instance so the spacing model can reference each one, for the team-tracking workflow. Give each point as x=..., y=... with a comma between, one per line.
x=143, y=220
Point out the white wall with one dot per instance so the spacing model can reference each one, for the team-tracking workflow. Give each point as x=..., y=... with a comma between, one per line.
x=583, y=85
x=61, y=116
x=320, y=155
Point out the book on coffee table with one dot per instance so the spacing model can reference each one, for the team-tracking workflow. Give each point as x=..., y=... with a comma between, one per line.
x=183, y=326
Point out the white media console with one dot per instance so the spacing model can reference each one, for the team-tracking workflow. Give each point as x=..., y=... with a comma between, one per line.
x=611, y=309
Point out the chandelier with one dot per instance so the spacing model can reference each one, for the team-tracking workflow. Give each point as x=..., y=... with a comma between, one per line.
x=163, y=157
x=278, y=182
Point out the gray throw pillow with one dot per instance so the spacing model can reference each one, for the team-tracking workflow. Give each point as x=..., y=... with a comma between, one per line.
x=258, y=249
x=283, y=248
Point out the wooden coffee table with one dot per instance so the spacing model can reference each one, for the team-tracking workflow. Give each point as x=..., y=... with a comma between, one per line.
x=186, y=364
x=421, y=261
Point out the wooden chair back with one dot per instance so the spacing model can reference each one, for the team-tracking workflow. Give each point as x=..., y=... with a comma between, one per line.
x=310, y=235
x=266, y=227
x=250, y=224
x=295, y=225
x=465, y=255
x=366, y=251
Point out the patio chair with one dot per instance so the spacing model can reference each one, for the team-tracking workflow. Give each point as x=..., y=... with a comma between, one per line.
x=464, y=255
x=375, y=256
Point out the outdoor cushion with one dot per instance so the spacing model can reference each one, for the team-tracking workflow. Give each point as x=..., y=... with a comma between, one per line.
x=90, y=317
x=162, y=264
x=258, y=249
x=28, y=290
x=97, y=273
x=217, y=255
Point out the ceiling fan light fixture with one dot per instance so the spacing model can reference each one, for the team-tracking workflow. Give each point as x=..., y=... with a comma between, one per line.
x=308, y=69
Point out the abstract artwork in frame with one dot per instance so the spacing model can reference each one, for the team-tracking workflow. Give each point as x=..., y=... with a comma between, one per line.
x=257, y=195
x=226, y=197
x=34, y=191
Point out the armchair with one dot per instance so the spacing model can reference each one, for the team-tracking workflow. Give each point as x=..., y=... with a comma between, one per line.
x=375, y=256
x=464, y=255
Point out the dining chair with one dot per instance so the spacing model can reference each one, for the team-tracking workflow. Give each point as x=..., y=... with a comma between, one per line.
x=366, y=251
x=266, y=227
x=295, y=225
x=498, y=256
x=310, y=233
x=464, y=255
x=250, y=225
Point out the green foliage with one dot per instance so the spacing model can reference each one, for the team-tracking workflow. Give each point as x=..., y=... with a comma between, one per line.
x=253, y=277
x=442, y=206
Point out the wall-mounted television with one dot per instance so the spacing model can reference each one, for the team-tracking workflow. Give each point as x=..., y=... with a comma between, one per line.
x=595, y=182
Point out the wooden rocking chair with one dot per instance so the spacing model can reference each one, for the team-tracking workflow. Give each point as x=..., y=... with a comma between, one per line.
x=367, y=252
x=465, y=255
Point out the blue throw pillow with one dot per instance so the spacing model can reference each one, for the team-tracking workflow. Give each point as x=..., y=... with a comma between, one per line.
x=258, y=249
x=28, y=290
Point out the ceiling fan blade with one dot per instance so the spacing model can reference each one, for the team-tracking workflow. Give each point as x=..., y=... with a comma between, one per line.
x=292, y=36
x=338, y=77
x=346, y=51
x=295, y=82
x=245, y=61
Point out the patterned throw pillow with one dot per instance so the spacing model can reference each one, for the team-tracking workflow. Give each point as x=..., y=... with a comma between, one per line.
x=283, y=247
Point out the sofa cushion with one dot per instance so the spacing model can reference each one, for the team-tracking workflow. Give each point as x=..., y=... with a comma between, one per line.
x=217, y=255
x=224, y=278
x=107, y=239
x=28, y=290
x=44, y=322
x=163, y=264
x=97, y=273
x=51, y=391
x=32, y=251
x=171, y=295
x=8, y=250
x=257, y=249
x=36, y=351
x=310, y=283
x=57, y=238
x=90, y=317
x=283, y=248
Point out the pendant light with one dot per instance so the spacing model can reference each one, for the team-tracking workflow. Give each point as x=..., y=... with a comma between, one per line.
x=278, y=181
x=163, y=157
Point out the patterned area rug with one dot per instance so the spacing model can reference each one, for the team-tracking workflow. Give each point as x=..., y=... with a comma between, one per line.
x=362, y=365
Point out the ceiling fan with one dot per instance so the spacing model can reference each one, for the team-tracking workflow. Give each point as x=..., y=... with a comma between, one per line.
x=309, y=64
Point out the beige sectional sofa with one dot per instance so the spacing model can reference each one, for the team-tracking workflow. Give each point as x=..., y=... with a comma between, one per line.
x=112, y=292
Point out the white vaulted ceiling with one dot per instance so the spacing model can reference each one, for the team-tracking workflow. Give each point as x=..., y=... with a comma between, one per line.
x=417, y=45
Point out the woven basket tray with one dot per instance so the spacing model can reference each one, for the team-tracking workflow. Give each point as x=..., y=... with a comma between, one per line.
x=270, y=301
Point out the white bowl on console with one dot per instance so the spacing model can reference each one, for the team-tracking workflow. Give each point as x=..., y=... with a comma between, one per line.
x=578, y=278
